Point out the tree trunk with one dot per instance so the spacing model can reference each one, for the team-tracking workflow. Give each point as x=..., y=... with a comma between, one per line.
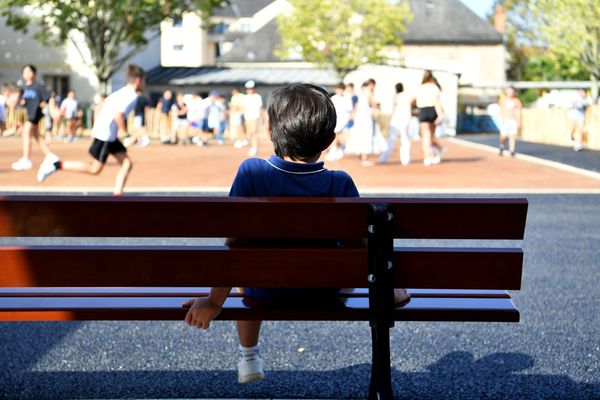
x=103, y=86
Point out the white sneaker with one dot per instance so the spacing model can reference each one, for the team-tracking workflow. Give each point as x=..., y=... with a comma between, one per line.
x=253, y=151
x=245, y=143
x=577, y=147
x=250, y=367
x=47, y=167
x=238, y=144
x=22, y=164
x=144, y=141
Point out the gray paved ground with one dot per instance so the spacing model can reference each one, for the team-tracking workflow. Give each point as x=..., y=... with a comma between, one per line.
x=586, y=159
x=554, y=353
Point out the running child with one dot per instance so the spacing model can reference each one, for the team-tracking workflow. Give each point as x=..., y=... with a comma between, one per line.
x=34, y=97
x=107, y=127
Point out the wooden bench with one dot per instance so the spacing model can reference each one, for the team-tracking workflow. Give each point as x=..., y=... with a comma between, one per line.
x=150, y=282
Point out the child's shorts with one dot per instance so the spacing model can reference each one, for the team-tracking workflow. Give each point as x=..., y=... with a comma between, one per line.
x=509, y=127
x=273, y=296
x=101, y=149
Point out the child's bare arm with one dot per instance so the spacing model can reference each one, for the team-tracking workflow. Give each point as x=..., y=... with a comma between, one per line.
x=204, y=309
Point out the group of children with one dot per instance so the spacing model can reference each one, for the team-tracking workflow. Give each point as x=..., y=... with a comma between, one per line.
x=191, y=118
x=358, y=131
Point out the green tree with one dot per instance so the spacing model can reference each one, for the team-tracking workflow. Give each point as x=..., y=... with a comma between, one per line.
x=566, y=34
x=113, y=30
x=342, y=34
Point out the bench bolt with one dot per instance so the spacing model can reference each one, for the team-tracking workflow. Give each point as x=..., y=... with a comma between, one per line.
x=390, y=216
x=371, y=278
x=371, y=229
x=390, y=265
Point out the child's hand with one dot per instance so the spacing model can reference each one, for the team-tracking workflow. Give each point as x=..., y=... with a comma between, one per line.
x=202, y=311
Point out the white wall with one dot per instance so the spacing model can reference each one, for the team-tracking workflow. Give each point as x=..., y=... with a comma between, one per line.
x=18, y=49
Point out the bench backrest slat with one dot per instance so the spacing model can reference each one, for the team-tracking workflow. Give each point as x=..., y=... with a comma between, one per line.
x=448, y=268
x=252, y=217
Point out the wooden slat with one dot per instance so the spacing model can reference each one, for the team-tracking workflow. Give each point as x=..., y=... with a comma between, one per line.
x=254, y=267
x=203, y=291
x=93, y=216
x=106, y=308
x=458, y=268
x=181, y=266
x=460, y=218
x=437, y=268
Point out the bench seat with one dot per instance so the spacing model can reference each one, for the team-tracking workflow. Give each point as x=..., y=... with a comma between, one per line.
x=46, y=304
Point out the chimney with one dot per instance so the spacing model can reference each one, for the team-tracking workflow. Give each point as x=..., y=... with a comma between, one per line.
x=500, y=19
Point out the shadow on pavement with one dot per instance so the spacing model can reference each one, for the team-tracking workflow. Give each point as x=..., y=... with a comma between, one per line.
x=456, y=375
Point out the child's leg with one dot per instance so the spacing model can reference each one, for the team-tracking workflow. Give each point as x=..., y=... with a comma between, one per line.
x=27, y=140
x=35, y=132
x=512, y=142
x=248, y=332
x=401, y=297
x=426, y=142
x=123, y=173
x=250, y=365
x=94, y=167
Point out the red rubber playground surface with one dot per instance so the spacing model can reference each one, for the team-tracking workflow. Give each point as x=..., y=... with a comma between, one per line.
x=467, y=168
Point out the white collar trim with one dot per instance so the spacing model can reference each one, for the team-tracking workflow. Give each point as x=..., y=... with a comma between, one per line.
x=294, y=172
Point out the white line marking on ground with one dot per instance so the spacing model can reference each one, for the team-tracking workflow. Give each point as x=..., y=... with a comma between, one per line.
x=525, y=157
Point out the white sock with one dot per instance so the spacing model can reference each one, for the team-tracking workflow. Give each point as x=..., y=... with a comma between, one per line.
x=249, y=352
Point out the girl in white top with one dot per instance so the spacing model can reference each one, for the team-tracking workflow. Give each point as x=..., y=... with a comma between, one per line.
x=399, y=123
x=364, y=138
x=253, y=113
x=343, y=110
x=430, y=115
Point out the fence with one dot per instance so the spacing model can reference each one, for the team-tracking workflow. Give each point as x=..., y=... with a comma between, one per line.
x=552, y=126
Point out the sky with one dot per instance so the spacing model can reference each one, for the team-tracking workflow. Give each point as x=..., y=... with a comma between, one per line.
x=480, y=7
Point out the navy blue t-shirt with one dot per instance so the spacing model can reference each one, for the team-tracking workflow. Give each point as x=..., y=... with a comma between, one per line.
x=277, y=177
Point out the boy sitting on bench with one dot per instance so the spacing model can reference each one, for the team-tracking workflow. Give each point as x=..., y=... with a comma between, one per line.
x=301, y=123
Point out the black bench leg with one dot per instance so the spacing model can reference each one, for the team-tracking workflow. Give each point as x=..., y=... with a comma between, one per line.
x=381, y=297
x=381, y=374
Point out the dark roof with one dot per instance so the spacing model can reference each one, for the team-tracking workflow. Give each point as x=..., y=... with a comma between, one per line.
x=448, y=21
x=221, y=76
x=241, y=8
x=434, y=22
x=256, y=47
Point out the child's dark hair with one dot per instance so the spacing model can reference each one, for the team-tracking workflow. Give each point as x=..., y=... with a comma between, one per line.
x=302, y=120
x=31, y=67
x=133, y=72
x=399, y=88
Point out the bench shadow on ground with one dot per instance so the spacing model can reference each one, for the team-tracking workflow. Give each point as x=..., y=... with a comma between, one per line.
x=456, y=375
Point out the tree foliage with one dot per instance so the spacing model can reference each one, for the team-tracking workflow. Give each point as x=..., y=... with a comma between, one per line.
x=109, y=27
x=561, y=35
x=342, y=34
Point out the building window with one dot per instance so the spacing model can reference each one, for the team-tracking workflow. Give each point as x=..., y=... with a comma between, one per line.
x=58, y=84
x=178, y=47
x=218, y=29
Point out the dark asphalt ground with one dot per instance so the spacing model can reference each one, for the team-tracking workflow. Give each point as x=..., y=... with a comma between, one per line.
x=553, y=353
x=586, y=159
